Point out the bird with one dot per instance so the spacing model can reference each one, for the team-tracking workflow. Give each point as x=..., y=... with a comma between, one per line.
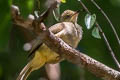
x=68, y=30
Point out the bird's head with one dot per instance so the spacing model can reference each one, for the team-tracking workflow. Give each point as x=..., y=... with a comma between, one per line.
x=69, y=16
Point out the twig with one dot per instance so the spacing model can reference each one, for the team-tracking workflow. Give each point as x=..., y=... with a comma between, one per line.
x=72, y=55
x=104, y=37
x=54, y=68
x=107, y=18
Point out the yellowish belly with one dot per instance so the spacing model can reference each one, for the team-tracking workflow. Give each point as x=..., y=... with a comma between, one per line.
x=51, y=56
x=44, y=55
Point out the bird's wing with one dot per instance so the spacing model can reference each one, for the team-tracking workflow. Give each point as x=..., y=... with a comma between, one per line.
x=35, y=46
x=57, y=28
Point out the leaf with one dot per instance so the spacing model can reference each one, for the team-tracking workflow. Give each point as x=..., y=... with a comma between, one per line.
x=36, y=14
x=95, y=33
x=63, y=1
x=79, y=0
x=56, y=13
x=90, y=20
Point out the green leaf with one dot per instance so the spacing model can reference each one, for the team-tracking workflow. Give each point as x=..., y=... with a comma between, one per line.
x=36, y=13
x=90, y=20
x=56, y=13
x=95, y=33
x=63, y=1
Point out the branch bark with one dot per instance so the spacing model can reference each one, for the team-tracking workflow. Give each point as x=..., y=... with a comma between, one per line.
x=69, y=53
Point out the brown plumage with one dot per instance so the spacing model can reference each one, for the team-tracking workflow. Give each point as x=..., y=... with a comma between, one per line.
x=68, y=30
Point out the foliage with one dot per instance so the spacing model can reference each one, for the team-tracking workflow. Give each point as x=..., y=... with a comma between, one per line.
x=95, y=33
x=90, y=20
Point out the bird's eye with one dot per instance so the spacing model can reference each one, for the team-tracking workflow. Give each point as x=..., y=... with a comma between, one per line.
x=67, y=16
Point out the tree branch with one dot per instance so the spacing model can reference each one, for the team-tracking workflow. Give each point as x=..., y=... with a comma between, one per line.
x=69, y=53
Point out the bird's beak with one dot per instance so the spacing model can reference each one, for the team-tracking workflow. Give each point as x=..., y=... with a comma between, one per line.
x=74, y=16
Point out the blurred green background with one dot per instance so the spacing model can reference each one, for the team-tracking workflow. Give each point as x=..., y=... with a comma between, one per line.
x=13, y=58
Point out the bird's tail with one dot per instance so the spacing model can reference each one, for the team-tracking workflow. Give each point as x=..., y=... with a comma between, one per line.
x=25, y=72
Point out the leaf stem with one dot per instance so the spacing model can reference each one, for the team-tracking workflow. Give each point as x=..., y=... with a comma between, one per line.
x=107, y=18
x=104, y=37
